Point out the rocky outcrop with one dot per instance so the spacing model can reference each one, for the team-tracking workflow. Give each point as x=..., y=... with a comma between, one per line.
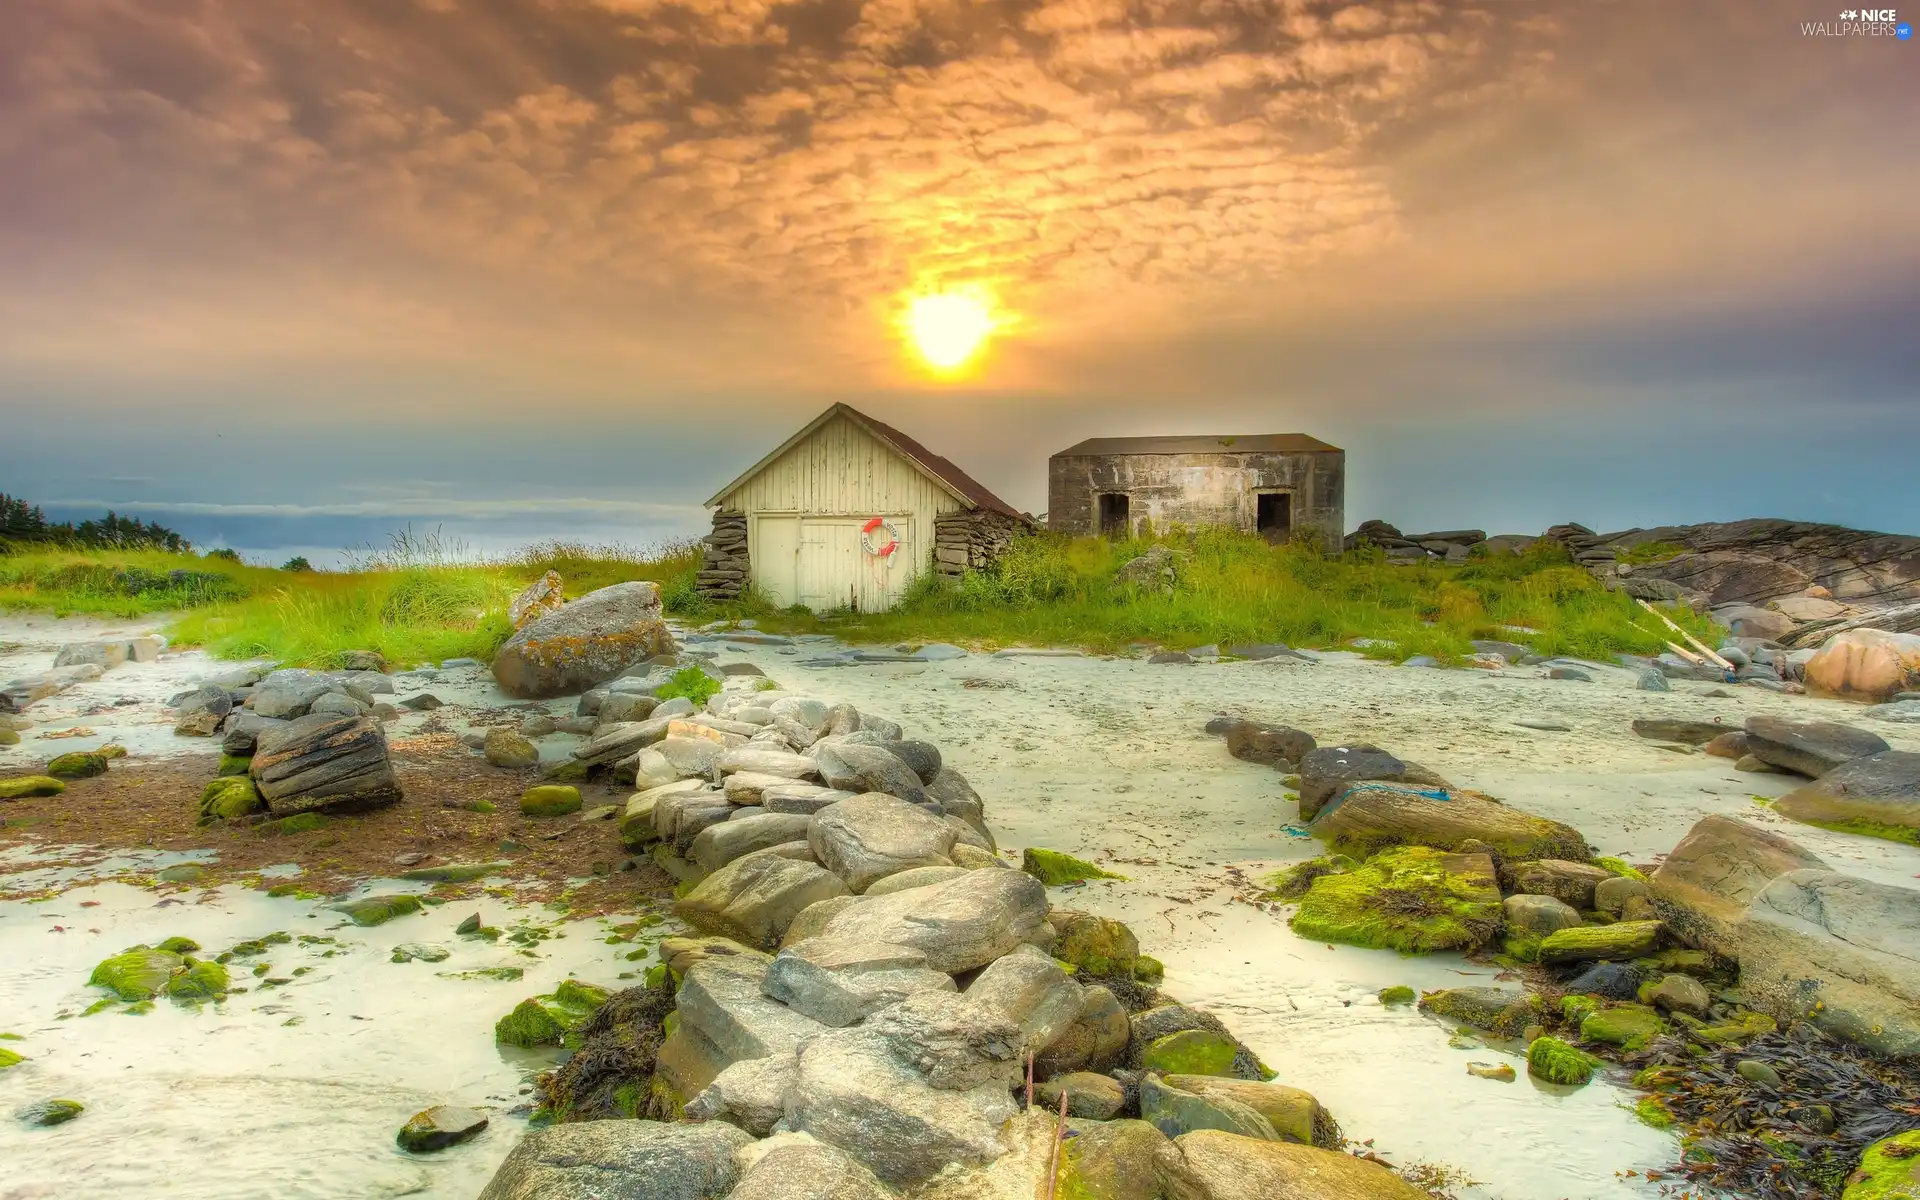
x=1878, y=795
x=1754, y=561
x=1703, y=888
x=1810, y=748
x=587, y=642
x=1868, y=665
x=324, y=763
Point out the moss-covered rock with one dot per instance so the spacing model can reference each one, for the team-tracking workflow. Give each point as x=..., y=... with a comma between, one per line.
x=179, y=945
x=1412, y=899
x=1576, y=1009
x=1294, y=1115
x=50, y=1112
x=137, y=973
x=1553, y=1060
x=1503, y=1012
x=1054, y=868
x=378, y=910
x=1737, y=1030
x=550, y=800
x=1094, y=946
x=183, y=873
x=1190, y=1052
x=1619, y=942
x=234, y=764
x=1398, y=994
x=1149, y=970
x=231, y=797
x=454, y=872
x=202, y=980
x=1653, y=1112
x=1628, y=1026
x=81, y=764
x=9, y=1058
x=550, y=1020
x=1620, y=867
x=306, y=822
x=22, y=786
x=1889, y=1170
x=438, y=1127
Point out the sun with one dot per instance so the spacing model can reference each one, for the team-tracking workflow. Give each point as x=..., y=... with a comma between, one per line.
x=948, y=329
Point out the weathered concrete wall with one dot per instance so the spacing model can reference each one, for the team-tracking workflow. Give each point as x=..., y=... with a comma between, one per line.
x=1198, y=489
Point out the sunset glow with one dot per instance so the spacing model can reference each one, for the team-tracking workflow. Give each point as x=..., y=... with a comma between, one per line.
x=948, y=329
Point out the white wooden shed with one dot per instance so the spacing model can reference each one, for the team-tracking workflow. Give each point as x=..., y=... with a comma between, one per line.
x=846, y=513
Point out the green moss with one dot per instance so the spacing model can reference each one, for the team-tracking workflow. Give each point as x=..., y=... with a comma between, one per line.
x=50, y=1112
x=81, y=764
x=629, y=1100
x=230, y=798
x=234, y=764
x=378, y=910
x=1149, y=970
x=1403, y=899
x=1905, y=834
x=691, y=682
x=1628, y=1026
x=455, y=872
x=1697, y=963
x=1619, y=867
x=567, y=770
x=1576, y=1009
x=1521, y=947
x=1289, y=885
x=1502, y=1012
x=10, y=1059
x=1399, y=994
x=201, y=980
x=283, y=890
x=1097, y=945
x=497, y=974
x=1054, y=868
x=306, y=822
x=137, y=973
x=23, y=786
x=1887, y=1173
x=1191, y=1052
x=1592, y=943
x=550, y=1020
x=550, y=800
x=1553, y=1060
x=1743, y=1027
x=1653, y=1112
x=184, y=873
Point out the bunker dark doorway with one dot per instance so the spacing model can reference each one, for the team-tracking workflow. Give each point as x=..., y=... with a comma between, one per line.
x=1115, y=516
x=1274, y=518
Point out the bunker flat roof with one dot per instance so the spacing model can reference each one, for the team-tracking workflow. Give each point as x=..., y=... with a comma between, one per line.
x=1229, y=443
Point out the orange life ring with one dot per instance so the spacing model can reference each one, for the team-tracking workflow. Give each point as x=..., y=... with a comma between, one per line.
x=866, y=538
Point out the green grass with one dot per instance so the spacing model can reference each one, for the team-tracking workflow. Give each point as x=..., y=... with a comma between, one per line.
x=1235, y=588
x=690, y=683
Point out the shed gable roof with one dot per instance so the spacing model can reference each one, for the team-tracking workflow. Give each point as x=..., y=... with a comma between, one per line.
x=962, y=486
x=1243, y=443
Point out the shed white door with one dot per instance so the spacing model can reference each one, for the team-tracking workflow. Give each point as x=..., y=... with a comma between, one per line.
x=834, y=569
x=776, y=554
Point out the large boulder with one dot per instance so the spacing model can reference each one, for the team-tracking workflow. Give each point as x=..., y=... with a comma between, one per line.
x=752, y=1093
x=324, y=762
x=1096, y=1041
x=860, y=768
x=1878, y=795
x=1291, y=1114
x=794, y=1166
x=1412, y=899
x=586, y=642
x=1029, y=988
x=1865, y=664
x=290, y=693
x=838, y=982
x=1231, y=1167
x=777, y=764
x=1812, y=748
x=1327, y=771
x=754, y=899
x=199, y=713
x=961, y=924
x=717, y=845
x=1840, y=952
x=1703, y=888
x=621, y=1160
x=1268, y=745
x=722, y=999
x=1572, y=883
x=874, y=835
x=1369, y=816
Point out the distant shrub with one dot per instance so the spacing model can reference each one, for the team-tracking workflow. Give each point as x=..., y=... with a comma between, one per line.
x=297, y=563
x=225, y=553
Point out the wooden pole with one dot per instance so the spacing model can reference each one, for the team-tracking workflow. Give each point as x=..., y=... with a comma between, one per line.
x=1685, y=653
x=1053, y=1160
x=1029, y=1079
x=1693, y=641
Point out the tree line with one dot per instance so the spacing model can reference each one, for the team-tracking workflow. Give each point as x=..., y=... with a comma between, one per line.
x=21, y=522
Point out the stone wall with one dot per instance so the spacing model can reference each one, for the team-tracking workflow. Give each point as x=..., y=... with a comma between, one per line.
x=1195, y=490
x=970, y=540
x=724, y=567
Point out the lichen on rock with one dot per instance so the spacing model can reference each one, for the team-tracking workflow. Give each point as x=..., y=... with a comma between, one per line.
x=1411, y=899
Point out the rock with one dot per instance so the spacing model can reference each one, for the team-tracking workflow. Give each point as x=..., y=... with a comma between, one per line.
x=922, y=1085
x=1174, y=1111
x=1573, y=673
x=1678, y=993
x=621, y=1160
x=439, y=1127
x=1090, y=1096
x=962, y=924
x=1889, y=1170
x=923, y=758
x=1232, y=1167
x=46, y=1113
x=1703, y=888
x=229, y=798
x=1570, y=882
x=508, y=749
x=1372, y=815
x=1878, y=795
x=771, y=764
x=1096, y=947
x=688, y=755
x=1502, y=1012
x=1539, y=915
x=805, y=798
x=722, y=1000
x=1809, y=608
x=340, y=704
x=1842, y=953
x=756, y=898
x=1503, y=1072
x=972, y=857
x=792, y=1166
x=78, y=765
x=422, y=702
x=538, y=599
x=1732, y=744
x=682, y=816
x=1745, y=620
x=21, y=786
x=200, y=712
x=856, y=768
x=550, y=800
x=839, y=982
x=1613, y=894
x=1156, y=1026
x=288, y=694
x=1122, y=1160
x=421, y=952
x=324, y=763
x=1096, y=1041
x=1291, y=1114
x=717, y=845
x=871, y=836
x=369, y=911
x=1328, y=771
x=622, y=708
x=1412, y=899
x=1623, y=940
x=1611, y=981
x=751, y=1093
x=1055, y=869
x=1627, y=1026
x=1865, y=664
x=1688, y=733
x=1650, y=680
x=586, y=642
x=243, y=732
x=615, y=740
x=1028, y=988
x=1556, y=1062
x=1268, y=745
x=105, y=655
x=1811, y=748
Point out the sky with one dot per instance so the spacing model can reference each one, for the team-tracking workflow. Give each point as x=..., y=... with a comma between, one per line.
x=289, y=276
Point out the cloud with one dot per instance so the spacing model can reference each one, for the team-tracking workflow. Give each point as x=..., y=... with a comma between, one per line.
x=417, y=507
